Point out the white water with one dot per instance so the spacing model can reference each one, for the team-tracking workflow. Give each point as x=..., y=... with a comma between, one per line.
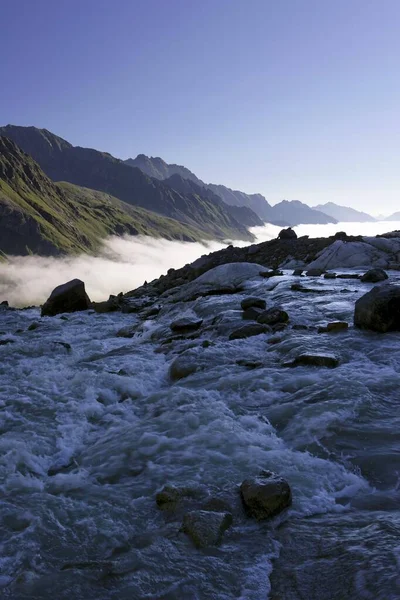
x=93, y=530
x=125, y=263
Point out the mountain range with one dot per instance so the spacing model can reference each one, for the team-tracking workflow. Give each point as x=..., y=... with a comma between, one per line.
x=59, y=198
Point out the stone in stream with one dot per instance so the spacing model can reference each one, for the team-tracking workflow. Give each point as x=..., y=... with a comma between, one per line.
x=298, y=272
x=249, y=331
x=348, y=276
x=69, y=297
x=183, y=366
x=253, y=302
x=330, y=276
x=374, y=276
x=252, y=313
x=272, y=316
x=206, y=528
x=314, y=360
x=315, y=272
x=272, y=273
x=379, y=309
x=334, y=327
x=186, y=325
x=171, y=496
x=266, y=495
x=33, y=326
x=127, y=332
x=297, y=287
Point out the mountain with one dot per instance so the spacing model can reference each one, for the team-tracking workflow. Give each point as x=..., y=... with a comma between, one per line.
x=394, y=217
x=41, y=217
x=100, y=171
x=158, y=168
x=294, y=212
x=344, y=213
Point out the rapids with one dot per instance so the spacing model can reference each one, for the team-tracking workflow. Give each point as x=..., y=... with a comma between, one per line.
x=91, y=428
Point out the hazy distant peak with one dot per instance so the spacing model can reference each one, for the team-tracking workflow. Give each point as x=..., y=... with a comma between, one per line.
x=344, y=213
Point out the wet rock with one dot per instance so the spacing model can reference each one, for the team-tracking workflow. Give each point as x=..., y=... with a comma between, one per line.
x=127, y=332
x=186, y=325
x=374, y=276
x=253, y=302
x=315, y=272
x=334, y=327
x=297, y=287
x=249, y=331
x=272, y=316
x=348, y=276
x=314, y=360
x=183, y=366
x=379, y=309
x=33, y=326
x=65, y=345
x=272, y=273
x=170, y=496
x=6, y=341
x=287, y=234
x=111, y=305
x=330, y=276
x=69, y=297
x=206, y=528
x=251, y=314
x=300, y=327
x=265, y=496
x=298, y=272
x=249, y=364
x=4, y=305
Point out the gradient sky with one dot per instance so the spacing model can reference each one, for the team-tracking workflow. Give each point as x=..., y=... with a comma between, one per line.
x=296, y=99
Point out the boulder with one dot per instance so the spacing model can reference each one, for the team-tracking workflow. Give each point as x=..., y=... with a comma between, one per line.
x=249, y=331
x=379, y=309
x=374, y=276
x=69, y=297
x=252, y=302
x=272, y=273
x=34, y=325
x=272, y=316
x=287, y=234
x=297, y=287
x=251, y=314
x=334, y=327
x=330, y=276
x=4, y=305
x=298, y=272
x=186, y=325
x=127, y=332
x=206, y=527
x=183, y=366
x=314, y=360
x=169, y=497
x=348, y=276
x=265, y=496
x=315, y=272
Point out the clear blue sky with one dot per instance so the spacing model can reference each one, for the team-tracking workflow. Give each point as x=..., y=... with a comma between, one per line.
x=290, y=98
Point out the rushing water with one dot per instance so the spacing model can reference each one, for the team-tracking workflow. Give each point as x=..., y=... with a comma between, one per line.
x=90, y=434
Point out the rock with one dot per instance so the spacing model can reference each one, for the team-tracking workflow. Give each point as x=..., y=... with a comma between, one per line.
x=4, y=305
x=348, y=276
x=206, y=528
x=273, y=273
x=69, y=297
x=265, y=496
x=314, y=360
x=374, y=276
x=186, y=325
x=33, y=326
x=127, y=332
x=315, y=272
x=340, y=235
x=6, y=341
x=183, y=366
x=170, y=496
x=297, y=287
x=298, y=272
x=334, y=327
x=249, y=331
x=252, y=302
x=272, y=316
x=287, y=234
x=379, y=309
x=249, y=364
x=330, y=276
x=368, y=252
x=251, y=314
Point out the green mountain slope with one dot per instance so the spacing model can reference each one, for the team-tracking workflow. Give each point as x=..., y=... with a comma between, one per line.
x=39, y=216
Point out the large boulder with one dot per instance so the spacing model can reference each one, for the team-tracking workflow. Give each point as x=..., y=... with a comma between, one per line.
x=379, y=309
x=249, y=331
x=272, y=316
x=265, y=496
x=374, y=276
x=69, y=297
x=206, y=528
x=287, y=234
x=253, y=302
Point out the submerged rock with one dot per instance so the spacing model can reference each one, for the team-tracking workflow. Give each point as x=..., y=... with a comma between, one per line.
x=315, y=272
x=252, y=302
x=334, y=327
x=379, y=309
x=265, y=496
x=206, y=528
x=272, y=316
x=69, y=297
x=374, y=276
x=249, y=331
x=185, y=325
x=314, y=360
x=329, y=275
x=170, y=496
x=252, y=313
x=272, y=273
x=183, y=366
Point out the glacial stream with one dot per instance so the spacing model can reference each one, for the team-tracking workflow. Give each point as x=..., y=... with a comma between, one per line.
x=91, y=428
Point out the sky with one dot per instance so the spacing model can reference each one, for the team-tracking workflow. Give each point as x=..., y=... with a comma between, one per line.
x=294, y=99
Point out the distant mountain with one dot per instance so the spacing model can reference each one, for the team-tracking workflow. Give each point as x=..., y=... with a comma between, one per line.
x=394, y=217
x=344, y=213
x=41, y=217
x=157, y=167
x=294, y=212
x=100, y=171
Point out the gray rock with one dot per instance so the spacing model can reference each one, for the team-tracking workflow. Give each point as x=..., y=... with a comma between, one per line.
x=315, y=272
x=298, y=272
x=272, y=273
x=252, y=302
x=314, y=360
x=251, y=314
x=185, y=325
x=334, y=327
x=249, y=331
x=379, y=309
x=272, y=316
x=287, y=234
x=33, y=326
x=171, y=496
x=206, y=528
x=127, y=332
x=374, y=276
x=69, y=297
x=330, y=276
x=183, y=366
x=265, y=496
